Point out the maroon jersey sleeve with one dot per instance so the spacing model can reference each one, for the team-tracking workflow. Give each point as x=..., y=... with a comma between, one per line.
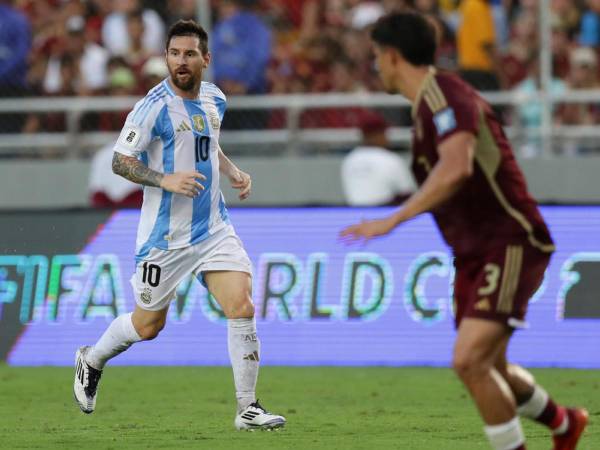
x=457, y=111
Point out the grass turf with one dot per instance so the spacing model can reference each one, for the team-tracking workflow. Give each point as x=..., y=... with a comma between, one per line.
x=326, y=407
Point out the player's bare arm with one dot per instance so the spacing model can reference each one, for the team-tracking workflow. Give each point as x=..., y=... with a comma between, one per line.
x=454, y=166
x=131, y=168
x=238, y=178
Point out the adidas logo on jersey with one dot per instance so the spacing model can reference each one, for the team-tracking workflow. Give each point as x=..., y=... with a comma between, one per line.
x=183, y=126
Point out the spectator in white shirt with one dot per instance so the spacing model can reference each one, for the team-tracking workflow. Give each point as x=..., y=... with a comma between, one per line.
x=114, y=29
x=89, y=57
x=372, y=175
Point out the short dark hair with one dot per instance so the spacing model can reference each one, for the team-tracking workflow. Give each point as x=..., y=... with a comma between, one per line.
x=409, y=33
x=189, y=28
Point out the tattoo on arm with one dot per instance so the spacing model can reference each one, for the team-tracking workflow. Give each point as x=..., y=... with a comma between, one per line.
x=135, y=170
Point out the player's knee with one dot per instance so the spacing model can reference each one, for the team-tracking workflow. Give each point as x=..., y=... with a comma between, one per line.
x=151, y=331
x=240, y=308
x=467, y=365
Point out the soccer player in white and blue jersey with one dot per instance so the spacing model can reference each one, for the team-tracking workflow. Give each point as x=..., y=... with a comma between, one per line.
x=170, y=145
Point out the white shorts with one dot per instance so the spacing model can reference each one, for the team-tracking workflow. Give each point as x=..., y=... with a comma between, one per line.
x=157, y=276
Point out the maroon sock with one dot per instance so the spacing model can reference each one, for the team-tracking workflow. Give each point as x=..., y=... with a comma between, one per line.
x=520, y=447
x=553, y=415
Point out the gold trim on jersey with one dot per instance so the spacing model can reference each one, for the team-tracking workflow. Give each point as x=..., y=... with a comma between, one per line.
x=488, y=156
x=434, y=96
x=422, y=89
x=513, y=262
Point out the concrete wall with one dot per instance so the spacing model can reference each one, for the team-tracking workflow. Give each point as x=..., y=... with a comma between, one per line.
x=278, y=181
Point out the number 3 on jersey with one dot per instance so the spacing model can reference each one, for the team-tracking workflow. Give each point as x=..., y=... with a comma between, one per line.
x=202, y=148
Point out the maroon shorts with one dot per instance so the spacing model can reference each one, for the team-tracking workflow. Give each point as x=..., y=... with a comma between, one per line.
x=498, y=285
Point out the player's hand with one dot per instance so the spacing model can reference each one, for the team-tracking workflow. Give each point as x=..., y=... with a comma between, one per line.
x=185, y=183
x=366, y=230
x=242, y=181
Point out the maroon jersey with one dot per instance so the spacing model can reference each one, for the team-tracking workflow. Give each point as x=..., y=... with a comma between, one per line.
x=493, y=207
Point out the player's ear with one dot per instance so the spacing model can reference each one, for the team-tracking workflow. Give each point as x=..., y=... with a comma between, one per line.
x=394, y=56
x=206, y=58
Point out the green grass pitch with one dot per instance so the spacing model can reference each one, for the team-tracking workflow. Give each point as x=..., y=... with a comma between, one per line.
x=327, y=408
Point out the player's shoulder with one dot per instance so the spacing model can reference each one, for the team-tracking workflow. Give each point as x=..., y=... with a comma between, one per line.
x=212, y=90
x=154, y=101
x=451, y=84
x=443, y=91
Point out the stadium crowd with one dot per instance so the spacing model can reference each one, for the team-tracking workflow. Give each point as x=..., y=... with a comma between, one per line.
x=115, y=47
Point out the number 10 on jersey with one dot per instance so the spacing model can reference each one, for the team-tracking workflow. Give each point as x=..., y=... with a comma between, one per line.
x=202, y=148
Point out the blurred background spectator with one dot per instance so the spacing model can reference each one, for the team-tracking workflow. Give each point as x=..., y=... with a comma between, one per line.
x=281, y=46
x=15, y=42
x=476, y=43
x=180, y=10
x=371, y=174
x=589, y=33
x=116, y=31
x=87, y=76
x=107, y=190
x=153, y=72
x=529, y=111
x=583, y=74
x=241, y=47
x=74, y=48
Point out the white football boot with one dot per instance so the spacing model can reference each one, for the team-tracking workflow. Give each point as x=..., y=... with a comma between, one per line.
x=255, y=417
x=86, y=382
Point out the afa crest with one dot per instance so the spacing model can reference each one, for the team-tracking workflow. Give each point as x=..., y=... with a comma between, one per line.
x=146, y=295
x=199, y=124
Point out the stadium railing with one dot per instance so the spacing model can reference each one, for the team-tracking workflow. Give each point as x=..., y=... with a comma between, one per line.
x=288, y=139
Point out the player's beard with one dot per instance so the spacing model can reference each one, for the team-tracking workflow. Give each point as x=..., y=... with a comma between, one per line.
x=186, y=82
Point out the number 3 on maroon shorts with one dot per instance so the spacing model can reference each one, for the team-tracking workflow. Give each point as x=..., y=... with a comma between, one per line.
x=498, y=285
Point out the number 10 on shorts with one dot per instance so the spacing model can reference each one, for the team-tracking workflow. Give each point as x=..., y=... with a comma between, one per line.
x=151, y=274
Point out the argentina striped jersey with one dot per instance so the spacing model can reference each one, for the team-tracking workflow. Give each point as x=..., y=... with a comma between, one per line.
x=171, y=134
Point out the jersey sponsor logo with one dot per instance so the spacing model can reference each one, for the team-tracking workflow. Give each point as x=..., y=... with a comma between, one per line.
x=198, y=123
x=444, y=121
x=130, y=137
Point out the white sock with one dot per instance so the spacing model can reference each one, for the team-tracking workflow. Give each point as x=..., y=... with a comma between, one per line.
x=505, y=436
x=244, y=350
x=535, y=406
x=117, y=338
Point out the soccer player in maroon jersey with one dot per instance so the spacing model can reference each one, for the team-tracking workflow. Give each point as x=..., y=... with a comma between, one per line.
x=470, y=182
